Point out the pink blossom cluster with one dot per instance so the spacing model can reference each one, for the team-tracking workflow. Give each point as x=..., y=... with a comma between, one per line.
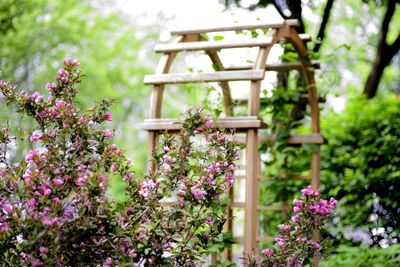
x=55, y=205
x=296, y=244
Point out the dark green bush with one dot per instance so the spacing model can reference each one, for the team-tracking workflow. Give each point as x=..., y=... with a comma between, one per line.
x=361, y=168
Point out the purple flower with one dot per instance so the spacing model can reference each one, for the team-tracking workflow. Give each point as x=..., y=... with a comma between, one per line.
x=58, y=182
x=198, y=193
x=31, y=156
x=268, y=252
x=132, y=253
x=280, y=241
x=4, y=227
x=107, y=262
x=314, y=245
x=31, y=202
x=44, y=250
x=307, y=191
x=209, y=220
x=284, y=228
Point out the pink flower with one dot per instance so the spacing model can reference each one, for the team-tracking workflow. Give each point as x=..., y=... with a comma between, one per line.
x=51, y=87
x=47, y=191
x=314, y=245
x=36, y=97
x=4, y=227
x=284, y=228
x=198, y=193
x=31, y=156
x=49, y=221
x=62, y=72
x=6, y=207
x=80, y=181
x=26, y=257
x=167, y=149
x=128, y=176
x=44, y=250
x=67, y=61
x=108, y=134
x=209, y=123
x=58, y=182
x=31, y=202
x=268, y=252
x=107, y=262
x=209, y=220
x=307, y=191
x=60, y=104
x=37, y=263
x=114, y=167
x=108, y=116
x=297, y=202
x=230, y=177
x=295, y=219
x=132, y=253
x=332, y=203
x=280, y=242
x=296, y=209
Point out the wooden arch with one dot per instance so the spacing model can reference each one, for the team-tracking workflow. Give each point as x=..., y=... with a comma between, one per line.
x=194, y=40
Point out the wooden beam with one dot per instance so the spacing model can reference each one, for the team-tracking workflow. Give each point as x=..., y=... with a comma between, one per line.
x=292, y=140
x=279, y=67
x=248, y=122
x=183, y=31
x=244, y=75
x=210, y=45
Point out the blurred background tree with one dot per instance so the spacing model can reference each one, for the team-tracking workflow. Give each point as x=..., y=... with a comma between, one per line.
x=36, y=35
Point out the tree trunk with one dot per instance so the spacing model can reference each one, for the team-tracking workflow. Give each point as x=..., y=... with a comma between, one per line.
x=384, y=53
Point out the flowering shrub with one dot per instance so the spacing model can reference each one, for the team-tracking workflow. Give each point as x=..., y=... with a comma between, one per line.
x=295, y=243
x=55, y=209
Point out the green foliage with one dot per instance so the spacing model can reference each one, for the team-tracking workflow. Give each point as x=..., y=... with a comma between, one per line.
x=363, y=256
x=360, y=166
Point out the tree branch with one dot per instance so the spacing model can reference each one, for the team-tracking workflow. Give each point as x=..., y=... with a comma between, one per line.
x=384, y=53
x=324, y=23
x=395, y=46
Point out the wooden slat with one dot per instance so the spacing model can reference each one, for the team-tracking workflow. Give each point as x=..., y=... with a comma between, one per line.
x=245, y=75
x=293, y=140
x=303, y=99
x=280, y=67
x=291, y=22
x=210, y=45
x=226, y=123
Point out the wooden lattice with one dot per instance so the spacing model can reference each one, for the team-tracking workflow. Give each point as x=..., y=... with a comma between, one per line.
x=194, y=40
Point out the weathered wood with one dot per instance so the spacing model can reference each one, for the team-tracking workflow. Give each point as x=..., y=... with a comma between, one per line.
x=292, y=140
x=279, y=67
x=217, y=45
x=210, y=45
x=226, y=91
x=303, y=99
x=291, y=22
x=244, y=75
x=251, y=191
x=224, y=123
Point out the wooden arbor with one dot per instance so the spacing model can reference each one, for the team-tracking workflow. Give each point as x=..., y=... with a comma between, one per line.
x=194, y=40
